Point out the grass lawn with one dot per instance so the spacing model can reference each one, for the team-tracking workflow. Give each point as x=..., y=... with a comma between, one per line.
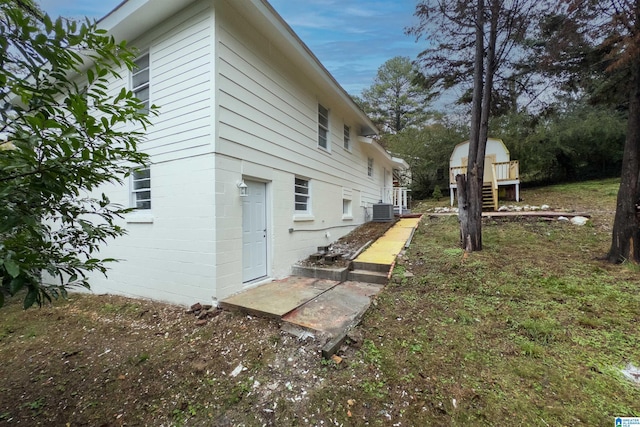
x=533, y=330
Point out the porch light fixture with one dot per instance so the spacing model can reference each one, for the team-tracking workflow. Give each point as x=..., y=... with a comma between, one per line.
x=243, y=188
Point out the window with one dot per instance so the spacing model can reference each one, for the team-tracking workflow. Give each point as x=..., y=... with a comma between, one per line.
x=346, y=208
x=140, y=81
x=141, y=189
x=302, y=195
x=347, y=137
x=347, y=196
x=323, y=127
x=370, y=166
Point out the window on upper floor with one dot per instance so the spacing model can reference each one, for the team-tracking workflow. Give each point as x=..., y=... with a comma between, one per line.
x=302, y=196
x=323, y=127
x=370, y=166
x=141, y=188
x=140, y=81
x=347, y=137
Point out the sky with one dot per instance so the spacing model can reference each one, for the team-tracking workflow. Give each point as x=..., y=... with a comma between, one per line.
x=352, y=38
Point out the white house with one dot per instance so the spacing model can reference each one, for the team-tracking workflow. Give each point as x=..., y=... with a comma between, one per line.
x=501, y=174
x=245, y=106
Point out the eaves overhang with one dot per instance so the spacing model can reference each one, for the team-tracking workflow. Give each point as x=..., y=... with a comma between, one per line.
x=397, y=161
x=132, y=18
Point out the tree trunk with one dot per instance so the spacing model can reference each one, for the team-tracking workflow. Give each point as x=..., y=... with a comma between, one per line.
x=471, y=223
x=625, y=242
x=463, y=213
x=476, y=173
x=488, y=86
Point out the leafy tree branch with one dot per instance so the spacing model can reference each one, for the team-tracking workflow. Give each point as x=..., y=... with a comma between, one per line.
x=63, y=135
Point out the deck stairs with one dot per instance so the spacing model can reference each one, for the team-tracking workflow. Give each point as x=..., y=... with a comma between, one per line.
x=488, y=201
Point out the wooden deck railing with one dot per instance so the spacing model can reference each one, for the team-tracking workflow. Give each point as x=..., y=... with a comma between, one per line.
x=502, y=171
x=456, y=170
x=494, y=186
x=506, y=171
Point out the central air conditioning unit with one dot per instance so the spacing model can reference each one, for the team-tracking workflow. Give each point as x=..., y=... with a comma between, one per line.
x=382, y=212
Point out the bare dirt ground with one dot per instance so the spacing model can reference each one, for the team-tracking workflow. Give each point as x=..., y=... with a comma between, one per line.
x=534, y=330
x=113, y=361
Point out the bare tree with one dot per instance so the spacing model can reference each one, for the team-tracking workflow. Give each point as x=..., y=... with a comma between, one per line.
x=617, y=24
x=470, y=186
x=599, y=42
x=476, y=40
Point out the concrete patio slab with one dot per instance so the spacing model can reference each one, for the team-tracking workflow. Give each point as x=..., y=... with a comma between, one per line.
x=330, y=308
x=278, y=298
x=335, y=310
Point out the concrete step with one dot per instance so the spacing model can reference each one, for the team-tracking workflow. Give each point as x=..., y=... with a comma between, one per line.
x=279, y=297
x=332, y=311
x=338, y=274
x=368, y=276
x=370, y=266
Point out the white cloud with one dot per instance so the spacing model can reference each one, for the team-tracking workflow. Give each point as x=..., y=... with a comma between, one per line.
x=360, y=12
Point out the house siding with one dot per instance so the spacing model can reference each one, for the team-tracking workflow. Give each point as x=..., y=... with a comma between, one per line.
x=268, y=131
x=173, y=258
x=181, y=81
x=233, y=107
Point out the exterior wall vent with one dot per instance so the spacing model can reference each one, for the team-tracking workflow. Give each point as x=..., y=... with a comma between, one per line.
x=382, y=212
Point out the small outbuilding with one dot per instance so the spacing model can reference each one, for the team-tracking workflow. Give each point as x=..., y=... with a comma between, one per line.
x=501, y=178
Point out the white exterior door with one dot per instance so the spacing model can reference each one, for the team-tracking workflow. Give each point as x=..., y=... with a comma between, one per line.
x=387, y=187
x=254, y=232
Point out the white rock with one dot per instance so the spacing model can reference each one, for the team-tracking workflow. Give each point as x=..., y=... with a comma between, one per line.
x=563, y=218
x=545, y=207
x=579, y=220
x=236, y=371
x=632, y=373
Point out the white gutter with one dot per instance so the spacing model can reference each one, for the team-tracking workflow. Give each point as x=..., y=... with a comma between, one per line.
x=395, y=160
